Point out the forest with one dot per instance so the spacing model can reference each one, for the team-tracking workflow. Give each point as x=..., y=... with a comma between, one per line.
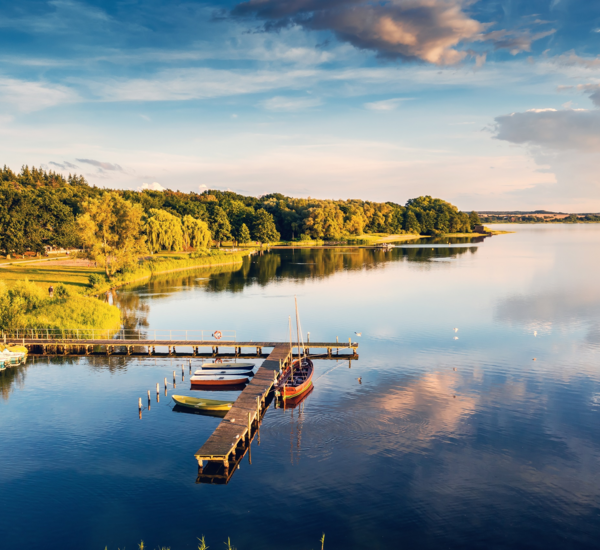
x=42, y=209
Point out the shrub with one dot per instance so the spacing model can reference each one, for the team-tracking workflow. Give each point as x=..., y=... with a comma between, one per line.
x=95, y=280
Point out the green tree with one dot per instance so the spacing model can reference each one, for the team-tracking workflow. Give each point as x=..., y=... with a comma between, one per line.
x=219, y=225
x=164, y=231
x=264, y=227
x=111, y=231
x=474, y=219
x=411, y=224
x=244, y=235
x=196, y=233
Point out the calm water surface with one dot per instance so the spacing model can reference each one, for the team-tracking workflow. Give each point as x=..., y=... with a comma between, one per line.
x=487, y=437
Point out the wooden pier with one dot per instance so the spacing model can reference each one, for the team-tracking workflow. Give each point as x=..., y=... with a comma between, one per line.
x=231, y=440
x=173, y=348
x=234, y=433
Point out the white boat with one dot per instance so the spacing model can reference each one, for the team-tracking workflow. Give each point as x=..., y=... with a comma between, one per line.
x=227, y=366
x=12, y=357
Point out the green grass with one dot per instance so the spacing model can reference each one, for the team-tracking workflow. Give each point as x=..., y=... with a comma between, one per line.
x=26, y=305
x=79, y=277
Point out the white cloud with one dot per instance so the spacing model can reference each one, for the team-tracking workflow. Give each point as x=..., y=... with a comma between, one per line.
x=568, y=129
x=155, y=186
x=386, y=104
x=27, y=96
x=280, y=103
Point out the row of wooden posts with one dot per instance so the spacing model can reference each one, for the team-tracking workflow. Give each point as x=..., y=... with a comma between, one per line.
x=166, y=387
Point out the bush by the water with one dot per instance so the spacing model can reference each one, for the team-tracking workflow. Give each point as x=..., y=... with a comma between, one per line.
x=26, y=305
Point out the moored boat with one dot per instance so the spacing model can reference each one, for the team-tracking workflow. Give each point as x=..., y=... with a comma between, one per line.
x=219, y=380
x=202, y=404
x=296, y=380
x=227, y=365
x=214, y=372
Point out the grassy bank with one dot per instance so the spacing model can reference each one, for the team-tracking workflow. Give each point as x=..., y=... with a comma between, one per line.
x=169, y=263
x=80, y=277
x=26, y=305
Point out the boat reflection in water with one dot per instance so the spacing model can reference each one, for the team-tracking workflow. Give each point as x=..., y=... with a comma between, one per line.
x=293, y=402
x=187, y=410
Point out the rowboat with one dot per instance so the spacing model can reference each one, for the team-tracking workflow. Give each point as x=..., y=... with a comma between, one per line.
x=296, y=380
x=202, y=404
x=214, y=372
x=293, y=402
x=227, y=365
x=219, y=380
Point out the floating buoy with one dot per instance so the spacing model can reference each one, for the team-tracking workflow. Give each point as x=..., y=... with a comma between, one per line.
x=358, y=333
x=456, y=337
x=218, y=334
x=534, y=359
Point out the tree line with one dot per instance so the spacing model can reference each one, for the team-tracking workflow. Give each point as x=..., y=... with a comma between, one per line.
x=40, y=208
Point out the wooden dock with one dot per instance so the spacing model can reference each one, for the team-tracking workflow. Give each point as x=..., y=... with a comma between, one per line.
x=235, y=431
x=140, y=347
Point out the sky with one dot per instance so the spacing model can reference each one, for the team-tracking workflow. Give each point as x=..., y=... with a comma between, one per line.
x=489, y=104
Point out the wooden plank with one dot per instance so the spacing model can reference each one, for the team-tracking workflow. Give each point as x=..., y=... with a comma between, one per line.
x=234, y=425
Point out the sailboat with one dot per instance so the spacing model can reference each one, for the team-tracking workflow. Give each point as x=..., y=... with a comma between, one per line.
x=297, y=378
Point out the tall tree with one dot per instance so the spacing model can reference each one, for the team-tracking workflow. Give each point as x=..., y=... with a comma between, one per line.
x=220, y=226
x=264, y=227
x=164, y=230
x=244, y=236
x=196, y=233
x=110, y=229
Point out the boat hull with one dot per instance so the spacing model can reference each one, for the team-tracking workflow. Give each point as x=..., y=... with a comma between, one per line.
x=198, y=403
x=218, y=381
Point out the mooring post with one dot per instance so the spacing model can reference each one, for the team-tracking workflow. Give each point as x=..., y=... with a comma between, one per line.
x=165, y=383
x=140, y=403
x=249, y=427
x=148, y=396
x=157, y=389
x=173, y=377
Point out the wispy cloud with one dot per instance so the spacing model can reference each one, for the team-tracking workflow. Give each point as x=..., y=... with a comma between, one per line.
x=386, y=104
x=101, y=165
x=279, y=103
x=26, y=96
x=64, y=165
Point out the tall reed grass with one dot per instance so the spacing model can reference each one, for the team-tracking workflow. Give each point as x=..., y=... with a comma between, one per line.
x=26, y=305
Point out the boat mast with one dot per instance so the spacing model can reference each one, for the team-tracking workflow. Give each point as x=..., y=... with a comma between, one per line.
x=291, y=348
x=298, y=331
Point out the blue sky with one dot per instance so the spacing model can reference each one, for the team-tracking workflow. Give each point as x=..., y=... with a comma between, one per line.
x=488, y=104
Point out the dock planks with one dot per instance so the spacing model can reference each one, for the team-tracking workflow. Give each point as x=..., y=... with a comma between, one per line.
x=246, y=411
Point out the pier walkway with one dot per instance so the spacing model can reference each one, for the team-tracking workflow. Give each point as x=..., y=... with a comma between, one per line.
x=235, y=431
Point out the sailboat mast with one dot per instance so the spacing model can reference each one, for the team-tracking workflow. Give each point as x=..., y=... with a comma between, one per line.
x=298, y=331
x=291, y=348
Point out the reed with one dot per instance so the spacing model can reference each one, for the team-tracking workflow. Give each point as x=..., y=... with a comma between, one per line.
x=26, y=305
x=203, y=546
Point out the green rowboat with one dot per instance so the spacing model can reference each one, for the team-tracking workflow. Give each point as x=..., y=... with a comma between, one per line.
x=202, y=404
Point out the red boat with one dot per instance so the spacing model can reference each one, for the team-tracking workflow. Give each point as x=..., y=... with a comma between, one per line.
x=296, y=380
x=219, y=380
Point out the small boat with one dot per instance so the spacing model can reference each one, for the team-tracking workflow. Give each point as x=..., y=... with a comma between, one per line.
x=227, y=365
x=219, y=380
x=293, y=402
x=214, y=372
x=296, y=380
x=202, y=404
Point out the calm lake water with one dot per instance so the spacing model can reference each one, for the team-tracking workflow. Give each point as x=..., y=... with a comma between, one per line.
x=485, y=437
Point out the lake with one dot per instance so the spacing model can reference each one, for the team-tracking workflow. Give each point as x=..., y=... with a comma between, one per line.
x=475, y=422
